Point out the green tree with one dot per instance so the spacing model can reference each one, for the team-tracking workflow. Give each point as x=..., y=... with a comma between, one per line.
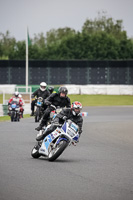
x=104, y=24
x=56, y=36
x=18, y=51
x=7, y=44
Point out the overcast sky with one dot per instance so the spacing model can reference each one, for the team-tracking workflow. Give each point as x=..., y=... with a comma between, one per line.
x=43, y=15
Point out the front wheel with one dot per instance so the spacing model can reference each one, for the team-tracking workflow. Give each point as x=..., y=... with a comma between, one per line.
x=37, y=115
x=57, y=151
x=35, y=152
x=12, y=116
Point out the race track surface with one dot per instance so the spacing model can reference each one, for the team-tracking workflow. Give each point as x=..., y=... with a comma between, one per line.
x=100, y=167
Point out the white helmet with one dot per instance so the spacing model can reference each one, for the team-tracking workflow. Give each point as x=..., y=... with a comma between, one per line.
x=16, y=94
x=43, y=86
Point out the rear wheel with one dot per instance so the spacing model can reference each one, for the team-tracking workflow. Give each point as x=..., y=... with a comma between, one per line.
x=18, y=117
x=57, y=151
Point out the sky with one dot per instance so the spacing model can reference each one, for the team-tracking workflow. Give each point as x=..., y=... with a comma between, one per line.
x=40, y=16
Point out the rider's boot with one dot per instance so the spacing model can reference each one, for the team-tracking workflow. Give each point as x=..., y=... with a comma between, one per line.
x=32, y=113
x=42, y=136
x=39, y=127
x=43, y=123
x=45, y=133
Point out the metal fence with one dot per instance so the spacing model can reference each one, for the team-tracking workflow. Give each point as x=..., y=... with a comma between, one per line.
x=79, y=72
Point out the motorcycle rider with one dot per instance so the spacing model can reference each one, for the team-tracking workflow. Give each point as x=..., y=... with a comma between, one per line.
x=16, y=99
x=21, y=106
x=72, y=113
x=54, y=100
x=41, y=92
x=51, y=89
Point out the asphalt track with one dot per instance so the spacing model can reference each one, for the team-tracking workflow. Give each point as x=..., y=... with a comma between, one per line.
x=100, y=167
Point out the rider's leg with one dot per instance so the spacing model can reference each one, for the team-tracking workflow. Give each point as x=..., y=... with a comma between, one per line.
x=47, y=132
x=44, y=119
x=32, y=107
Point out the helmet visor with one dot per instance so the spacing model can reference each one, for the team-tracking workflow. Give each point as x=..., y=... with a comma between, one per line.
x=77, y=110
x=43, y=87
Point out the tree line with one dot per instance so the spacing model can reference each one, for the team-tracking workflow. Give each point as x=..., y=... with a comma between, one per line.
x=100, y=39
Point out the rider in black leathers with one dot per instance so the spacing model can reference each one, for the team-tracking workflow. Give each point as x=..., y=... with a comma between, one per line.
x=41, y=92
x=51, y=89
x=56, y=99
x=72, y=113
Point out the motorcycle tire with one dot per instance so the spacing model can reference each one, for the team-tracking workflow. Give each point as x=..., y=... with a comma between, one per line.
x=18, y=118
x=37, y=115
x=12, y=116
x=35, y=152
x=54, y=154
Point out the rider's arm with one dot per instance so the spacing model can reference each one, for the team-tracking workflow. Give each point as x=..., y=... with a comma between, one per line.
x=59, y=117
x=10, y=100
x=63, y=113
x=50, y=99
x=48, y=94
x=20, y=102
x=34, y=93
x=80, y=124
x=68, y=103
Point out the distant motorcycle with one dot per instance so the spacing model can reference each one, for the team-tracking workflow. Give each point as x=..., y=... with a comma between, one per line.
x=56, y=142
x=38, y=109
x=14, y=111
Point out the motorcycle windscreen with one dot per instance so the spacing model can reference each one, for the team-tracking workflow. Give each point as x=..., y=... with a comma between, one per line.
x=13, y=106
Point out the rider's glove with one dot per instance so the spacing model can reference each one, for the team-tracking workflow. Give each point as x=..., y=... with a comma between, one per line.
x=56, y=123
x=47, y=103
x=77, y=141
x=64, y=118
x=52, y=107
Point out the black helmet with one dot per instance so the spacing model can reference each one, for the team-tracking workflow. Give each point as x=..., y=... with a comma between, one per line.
x=51, y=89
x=63, y=90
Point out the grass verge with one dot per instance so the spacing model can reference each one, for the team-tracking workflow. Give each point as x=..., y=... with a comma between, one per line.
x=7, y=118
x=95, y=100
x=103, y=100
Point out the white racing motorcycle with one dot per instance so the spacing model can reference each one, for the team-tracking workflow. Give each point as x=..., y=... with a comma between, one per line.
x=56, y=142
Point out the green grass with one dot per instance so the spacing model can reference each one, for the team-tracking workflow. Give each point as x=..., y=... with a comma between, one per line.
x=103, y=100
x=1, y=98
x=7, y=118
x=93, y=100
x=7, y=96
x=98, y=100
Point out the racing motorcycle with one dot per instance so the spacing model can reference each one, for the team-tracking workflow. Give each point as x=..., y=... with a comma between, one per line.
x=53, y=145
x=38, y=109
x=14, y=111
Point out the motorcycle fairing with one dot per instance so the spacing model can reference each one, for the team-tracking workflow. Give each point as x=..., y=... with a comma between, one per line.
x=64, y=127
x=61, y=139
x=47, y=141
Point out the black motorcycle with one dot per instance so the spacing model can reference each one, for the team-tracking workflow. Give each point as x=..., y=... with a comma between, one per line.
x=38, y=109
